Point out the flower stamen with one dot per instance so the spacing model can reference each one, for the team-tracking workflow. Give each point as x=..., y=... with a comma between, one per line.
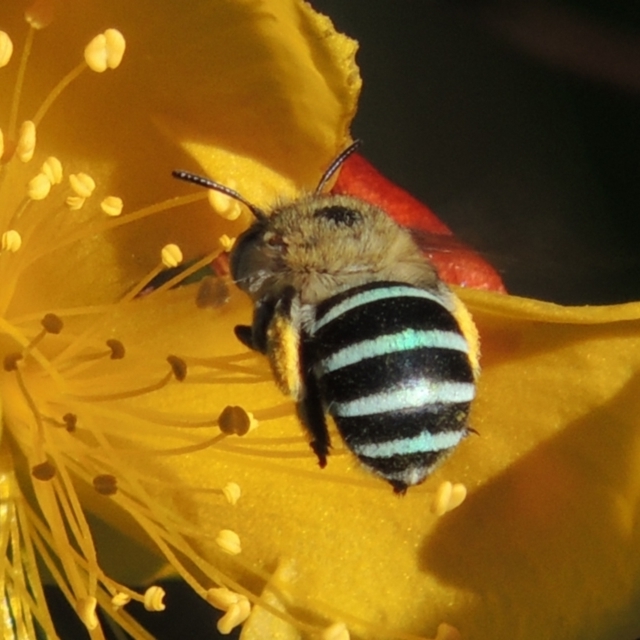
x=448, y=496
x=153, y=599
x=229, y=542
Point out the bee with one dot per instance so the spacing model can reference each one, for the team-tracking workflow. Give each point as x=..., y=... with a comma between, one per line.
x=357, y=325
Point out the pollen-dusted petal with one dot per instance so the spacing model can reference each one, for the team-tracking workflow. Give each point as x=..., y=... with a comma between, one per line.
x=112, y=206
x=171, y=255
x=11, y=241
x=82, y=184
x=86, y=610
x=26, y=141
x=232, y=492
x=38, y=187
x=229, y=541
x=337, y=631
x=52, y=168
x=154, y=599
x=236, y=614
x=6, y=49
x=105, y=51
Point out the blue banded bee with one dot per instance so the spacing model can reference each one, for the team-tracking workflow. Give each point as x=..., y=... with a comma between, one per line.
x=356, y=324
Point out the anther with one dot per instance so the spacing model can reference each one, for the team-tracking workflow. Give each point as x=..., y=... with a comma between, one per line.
x=52, y=323
x=229, y=541
x=117, y=349
x=6, y=49
x=44, y=471
x=105, y=51
x=447, y=632
x=236, y=614
x=448, y=496
x=153, y=599
x=231, y=492
x=112, y=206
x=178, y=366
x=1, y=145
x=52, y=168
x=171, y=255
x=86, y=610
x=11, y=241
x=38, y=187
x=224, y=206
x=235, y=420
x=10, y=362
x=337, y=631
x=26, y=141
x=120, y=599
x=105, y=484
x=226, y=242
x=82, y=184
x=75, y=203
x=70, y=421
x=222, y=598
x=40, y=14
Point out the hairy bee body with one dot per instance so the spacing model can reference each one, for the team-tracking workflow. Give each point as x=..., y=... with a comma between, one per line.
x=356, y=324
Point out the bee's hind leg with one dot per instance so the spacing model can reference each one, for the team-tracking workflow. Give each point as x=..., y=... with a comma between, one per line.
x=311, y=414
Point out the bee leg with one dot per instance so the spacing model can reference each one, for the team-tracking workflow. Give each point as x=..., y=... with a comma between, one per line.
x=244, y=334
x=311, y=414
x=255, y=336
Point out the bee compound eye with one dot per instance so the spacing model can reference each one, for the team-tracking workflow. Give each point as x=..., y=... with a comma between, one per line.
x=342, y=216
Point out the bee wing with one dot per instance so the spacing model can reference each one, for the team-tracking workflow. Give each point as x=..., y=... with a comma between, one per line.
x=283, y=345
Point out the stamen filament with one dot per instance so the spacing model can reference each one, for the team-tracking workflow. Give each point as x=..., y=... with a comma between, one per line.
x=17, y=88
x=57, y=90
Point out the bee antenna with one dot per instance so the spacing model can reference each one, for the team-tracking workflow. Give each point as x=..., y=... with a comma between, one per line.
x=336, y=164
x=216, y=186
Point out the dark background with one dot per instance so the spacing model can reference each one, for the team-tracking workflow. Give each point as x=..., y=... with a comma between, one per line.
x=519, y=124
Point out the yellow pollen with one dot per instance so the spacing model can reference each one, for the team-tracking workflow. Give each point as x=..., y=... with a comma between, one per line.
x=226, y=242
x=86, y=610
x=26, y=141
x=231, y=492
x=222, y=598
x=229, y=541
x=337, y=631
x=52, y=168
x=40, y=14
x=117, y=349
x=237, y=421
x=82, y=184
x=105, y=51
x=112, y=206
x=10, y=362
x=171, y=255
x=6, y=49
x=70, y=421
x=75, y=203
x=448, y=496
x=178, y=367
x=236, y=614
x=52, y=323
x=44, y=471
x=120, y=600
x=11, y=241
x=153, y=599
x=447, y=632
x=105, y=484
x=38, y=187
x=225, y=206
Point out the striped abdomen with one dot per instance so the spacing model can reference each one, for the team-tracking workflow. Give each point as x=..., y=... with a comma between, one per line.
x=393, y=370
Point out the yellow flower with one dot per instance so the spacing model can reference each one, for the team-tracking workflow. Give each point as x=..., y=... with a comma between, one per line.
x=146, y=412
x=92, y=119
